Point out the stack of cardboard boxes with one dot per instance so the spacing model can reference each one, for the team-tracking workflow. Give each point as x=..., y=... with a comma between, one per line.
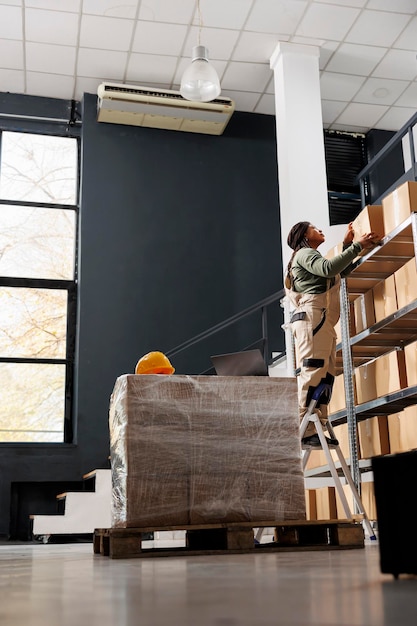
x=189, y=450
x=387, y=373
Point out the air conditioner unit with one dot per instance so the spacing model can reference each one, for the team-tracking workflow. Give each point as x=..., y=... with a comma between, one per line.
x=161, y=108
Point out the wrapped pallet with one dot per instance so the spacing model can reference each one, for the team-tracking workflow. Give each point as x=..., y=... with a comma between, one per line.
x=188, y=450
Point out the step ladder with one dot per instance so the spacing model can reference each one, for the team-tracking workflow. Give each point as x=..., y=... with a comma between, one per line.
x=324, y=390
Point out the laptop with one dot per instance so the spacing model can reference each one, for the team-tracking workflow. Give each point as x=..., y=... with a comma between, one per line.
x=245, y=363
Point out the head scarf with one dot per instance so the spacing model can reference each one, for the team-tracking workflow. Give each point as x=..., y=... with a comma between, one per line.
x=296, y=240
x=296, y=234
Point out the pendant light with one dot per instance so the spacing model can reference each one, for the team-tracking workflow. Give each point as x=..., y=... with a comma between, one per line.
x=200, y=81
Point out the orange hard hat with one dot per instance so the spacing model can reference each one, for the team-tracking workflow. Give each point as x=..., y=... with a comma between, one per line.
x=154, y=363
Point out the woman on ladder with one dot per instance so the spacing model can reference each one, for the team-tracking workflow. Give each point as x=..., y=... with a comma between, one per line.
x=312, y=286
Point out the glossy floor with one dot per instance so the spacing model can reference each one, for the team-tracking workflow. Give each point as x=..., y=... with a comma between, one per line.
x=67, y=585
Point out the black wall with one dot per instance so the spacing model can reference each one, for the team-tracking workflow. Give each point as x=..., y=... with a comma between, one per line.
x=178, y=231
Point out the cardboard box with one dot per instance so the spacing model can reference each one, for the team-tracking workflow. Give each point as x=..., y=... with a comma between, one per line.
x=311, y=504
x=326, y=503
x=342, y=435
x=385, y=298
x=402, y=428
x=398, y=205
x=352, y=326
x=371, y=218
x=368, y=499
x=364, y=311
x=318, y=458
x=338, y=399
x=390, y=373
x=365, y=382
x=410, y=353
x=406, y=283
x=373, y=436
x=337, y=249
x=341, y=513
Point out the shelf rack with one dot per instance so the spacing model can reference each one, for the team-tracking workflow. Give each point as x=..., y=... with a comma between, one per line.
x=394, y=332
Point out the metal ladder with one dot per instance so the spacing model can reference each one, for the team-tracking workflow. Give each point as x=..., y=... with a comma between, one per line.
x=324, y=390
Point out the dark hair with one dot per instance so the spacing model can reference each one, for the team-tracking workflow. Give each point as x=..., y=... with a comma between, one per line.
x=296, y=240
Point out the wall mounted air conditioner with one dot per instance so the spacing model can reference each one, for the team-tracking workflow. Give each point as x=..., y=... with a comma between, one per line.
x=161, y=108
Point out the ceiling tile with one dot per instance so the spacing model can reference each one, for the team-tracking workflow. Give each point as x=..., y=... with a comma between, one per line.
x=331, y=110
x=351, y=3
x=156, y=38
x=50, y=85
x=309, y=41
x=85, y=85
x=105, y=32
x=163, y=11
x=399, y=64
x=355, y=59
x=395, y=118
x=241, y=36
x=266, y=105
x=270, y=88
x=326, y=51
x=10, y=22
x=327, y=21
x=348, y=128
x=380, y=91
x=72, y=6
x=377, y=28
x=397, y=6
x=270, y=16
x=244, y=100
x=51, y=27
x=220, y=43
x=362, y=114
x=339, y=86
x=11, y=54
x=146, y=68
x=14, y=79
x=254, y=76
x=49, y=58
x=213, y=13
x=255, y=47
x=110, y=8
x=100, y=63
x=409, y=97
x=408, y=38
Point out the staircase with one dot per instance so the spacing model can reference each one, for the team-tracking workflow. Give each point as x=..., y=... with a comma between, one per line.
x=82, y=511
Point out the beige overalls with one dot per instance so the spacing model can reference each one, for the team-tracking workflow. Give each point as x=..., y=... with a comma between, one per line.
x=313, y=324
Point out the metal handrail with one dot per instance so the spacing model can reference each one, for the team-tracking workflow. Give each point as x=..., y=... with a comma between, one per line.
x=261, y=305
x=392, y=143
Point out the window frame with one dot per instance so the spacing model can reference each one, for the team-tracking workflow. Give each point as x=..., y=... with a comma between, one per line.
x=70, y=129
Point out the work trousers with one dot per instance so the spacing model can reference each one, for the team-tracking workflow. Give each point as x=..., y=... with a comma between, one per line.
x=313, y=322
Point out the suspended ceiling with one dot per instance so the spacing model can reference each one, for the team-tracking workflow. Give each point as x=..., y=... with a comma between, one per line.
x=368, y=66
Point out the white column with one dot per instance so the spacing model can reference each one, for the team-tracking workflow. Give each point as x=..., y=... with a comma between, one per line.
x=300, y=142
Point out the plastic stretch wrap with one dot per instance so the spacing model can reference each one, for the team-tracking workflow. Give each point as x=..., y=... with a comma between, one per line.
x=204, y=449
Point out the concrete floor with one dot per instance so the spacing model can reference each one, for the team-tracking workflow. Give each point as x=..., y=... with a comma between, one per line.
x=67, y=585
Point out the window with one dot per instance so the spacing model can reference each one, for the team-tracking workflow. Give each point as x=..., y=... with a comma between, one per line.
x=38, y=255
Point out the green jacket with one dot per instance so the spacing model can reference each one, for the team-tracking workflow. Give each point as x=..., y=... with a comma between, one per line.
x=311, y=271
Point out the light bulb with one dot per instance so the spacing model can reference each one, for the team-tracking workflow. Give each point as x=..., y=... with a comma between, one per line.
x=200, y=81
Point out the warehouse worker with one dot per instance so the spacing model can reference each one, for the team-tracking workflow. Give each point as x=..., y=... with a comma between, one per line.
x=312, y=286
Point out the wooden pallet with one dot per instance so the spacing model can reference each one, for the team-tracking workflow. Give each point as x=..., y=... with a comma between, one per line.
x=233, y=538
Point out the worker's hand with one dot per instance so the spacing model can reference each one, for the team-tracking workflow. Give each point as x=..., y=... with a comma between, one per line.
x=349, y=235
x=369, y=239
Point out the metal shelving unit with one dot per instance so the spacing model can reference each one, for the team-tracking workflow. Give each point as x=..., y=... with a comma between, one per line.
x=394, y=332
